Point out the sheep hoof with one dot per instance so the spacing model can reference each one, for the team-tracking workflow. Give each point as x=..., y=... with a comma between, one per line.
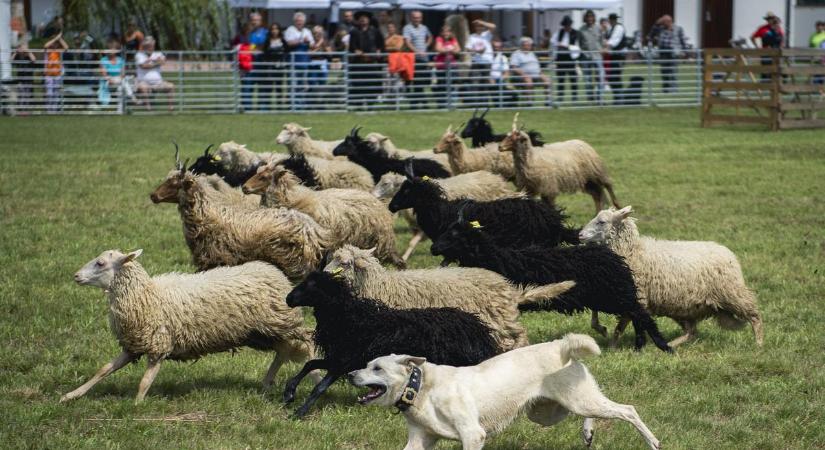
x=601, y=329
x=289, y=397
x=65, y=398
x=300, y=413
x=588, y=438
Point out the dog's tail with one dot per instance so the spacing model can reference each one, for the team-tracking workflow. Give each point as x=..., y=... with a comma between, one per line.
x=533, y=294
x=578, y=346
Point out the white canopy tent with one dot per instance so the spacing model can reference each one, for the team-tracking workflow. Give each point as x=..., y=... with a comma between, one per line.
x=442, y=5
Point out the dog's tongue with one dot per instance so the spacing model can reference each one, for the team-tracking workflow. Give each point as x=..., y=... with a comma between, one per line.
x=373, y=393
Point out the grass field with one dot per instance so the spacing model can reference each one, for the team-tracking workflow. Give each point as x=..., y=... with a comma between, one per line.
x=71, y=187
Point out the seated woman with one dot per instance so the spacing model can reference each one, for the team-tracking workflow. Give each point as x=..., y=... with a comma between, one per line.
x=112, y=69
x=149, y=79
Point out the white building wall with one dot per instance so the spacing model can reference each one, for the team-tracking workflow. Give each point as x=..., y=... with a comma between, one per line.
x=748, y=15
x=688, y=15
x=803, y=23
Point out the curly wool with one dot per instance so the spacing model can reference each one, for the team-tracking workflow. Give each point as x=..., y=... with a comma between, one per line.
x=351, y=331
x=340, y=174
x=215, y=188
x=483, y=158
x=479, y=291
x=561, y=167
x=352, y=216
x=683, y=280
x=512, y=222
x=604, y=282
x=219, y=235
x=186, y=316
x=233, y=162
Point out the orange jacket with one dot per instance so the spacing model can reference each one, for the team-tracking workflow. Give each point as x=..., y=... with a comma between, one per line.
x=402, y=63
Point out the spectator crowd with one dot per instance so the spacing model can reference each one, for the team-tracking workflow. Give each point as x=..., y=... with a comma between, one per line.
x=389, y=58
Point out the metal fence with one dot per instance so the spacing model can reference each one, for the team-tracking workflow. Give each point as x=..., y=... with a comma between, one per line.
x=94, y=82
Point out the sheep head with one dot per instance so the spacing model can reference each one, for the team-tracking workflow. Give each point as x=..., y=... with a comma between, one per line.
x=206, y=164
x=477, y=125
x=516, y=139
x=167, y=191
x=378, y=141
x=317, y=289
x=461, y=236
x=100, y=271
x=349, y=260
x=605, y=226
x=291, y=132
x=449, y=141
x=349, y=146
x=230, y=154
x=389, y=184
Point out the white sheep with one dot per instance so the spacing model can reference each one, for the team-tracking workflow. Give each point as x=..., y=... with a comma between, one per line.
x=329, y=174
x=561, y=167
x=479, y=185
x=216, y=189
x=297, y=140
x=687, y=281
x=187, y=316
x=352, y=216
x=222, y=235
x=478, y=291
x=463, y=160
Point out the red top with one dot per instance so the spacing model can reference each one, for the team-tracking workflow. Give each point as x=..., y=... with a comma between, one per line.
x=443, y=59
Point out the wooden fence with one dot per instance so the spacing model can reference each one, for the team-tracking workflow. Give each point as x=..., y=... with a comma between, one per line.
x=780, y=88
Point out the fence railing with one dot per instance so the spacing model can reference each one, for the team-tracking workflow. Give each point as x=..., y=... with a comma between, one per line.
x=94, y=82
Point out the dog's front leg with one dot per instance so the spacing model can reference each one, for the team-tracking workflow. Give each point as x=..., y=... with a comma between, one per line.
x=418, y=439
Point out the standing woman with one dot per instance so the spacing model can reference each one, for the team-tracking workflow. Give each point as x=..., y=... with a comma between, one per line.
x=319, y=66
x=132, y=39
x=273, y=65
x=446, y=45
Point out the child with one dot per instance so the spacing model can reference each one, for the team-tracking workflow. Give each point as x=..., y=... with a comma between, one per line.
x=53, y=70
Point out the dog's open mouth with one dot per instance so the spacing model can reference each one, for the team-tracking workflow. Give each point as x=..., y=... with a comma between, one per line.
x=376, y=390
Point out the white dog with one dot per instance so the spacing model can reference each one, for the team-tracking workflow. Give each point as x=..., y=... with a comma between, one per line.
x=468, y=403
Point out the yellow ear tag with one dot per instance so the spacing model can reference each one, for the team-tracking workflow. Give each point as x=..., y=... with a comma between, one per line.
x=216, y=158
x=425, y=178
x=336, y=272
x=475, y=224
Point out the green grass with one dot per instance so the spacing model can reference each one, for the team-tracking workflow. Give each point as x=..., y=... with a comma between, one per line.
x=71, y=187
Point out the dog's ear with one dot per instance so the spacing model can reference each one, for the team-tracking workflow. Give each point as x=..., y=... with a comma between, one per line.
x=407, y=360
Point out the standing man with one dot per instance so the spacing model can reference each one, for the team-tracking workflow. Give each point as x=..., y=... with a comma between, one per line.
x=566, y=45
x=670, y=39
x=590, y=41
x=615, y=50
x=349, y=21
x=480, y=47
x=769, y=35
x=418, y=39
x=298, y=41
x=257, y=36
x=365, y=42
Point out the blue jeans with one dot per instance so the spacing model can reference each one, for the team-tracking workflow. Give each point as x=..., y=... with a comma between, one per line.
x=247, y=84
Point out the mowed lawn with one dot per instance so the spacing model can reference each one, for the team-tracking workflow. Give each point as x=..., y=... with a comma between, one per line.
x=71, y=187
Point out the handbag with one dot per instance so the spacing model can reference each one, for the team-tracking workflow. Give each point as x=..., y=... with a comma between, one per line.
x=103, y=94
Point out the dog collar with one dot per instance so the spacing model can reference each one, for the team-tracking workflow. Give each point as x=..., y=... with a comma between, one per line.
x=410, y=391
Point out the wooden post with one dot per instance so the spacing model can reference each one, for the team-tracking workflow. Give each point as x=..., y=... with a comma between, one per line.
x=776, y=78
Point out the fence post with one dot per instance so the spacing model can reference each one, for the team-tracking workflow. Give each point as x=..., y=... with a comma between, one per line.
x=180, y=81
x=123, y=86
x=699, y=75
x=292, y=82
x=236, y=80
x=649, y=60
x=345, y=67
x=449, y=91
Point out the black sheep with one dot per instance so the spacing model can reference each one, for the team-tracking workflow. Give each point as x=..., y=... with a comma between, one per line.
x=378, y=162
x=481, y=131
x=511, y=222
x=299, y=166
x=604, y=282
x=352, y=331
x=207, y=165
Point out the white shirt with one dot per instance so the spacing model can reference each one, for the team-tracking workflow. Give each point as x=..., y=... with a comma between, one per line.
x=152, y=75
x=527, y=62
x=616, y=36
x=481, y=42
x=564, y=42
x=500, y=65
x=293, y=34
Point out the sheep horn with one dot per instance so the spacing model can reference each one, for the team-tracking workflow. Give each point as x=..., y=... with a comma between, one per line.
x=485, y=112
x=408, y=169
x=461, y=212
x=206, y=152
x=515, y=122
x=177, y=154
x=183, y=166
x=475, y=111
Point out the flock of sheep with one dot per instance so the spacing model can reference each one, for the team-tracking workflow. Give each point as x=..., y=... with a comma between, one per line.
x=322, y=215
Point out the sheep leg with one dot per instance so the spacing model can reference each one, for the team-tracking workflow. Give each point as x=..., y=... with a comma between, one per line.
x=594, y=323
x=609, y=187
x=756, y=324
x=413, y=243
x=152, y=368
x=273, y=370
x=689, y=326
x=292, y=384
x=110, y=368
x=595, y=190
x=620, y=327
x=317, y=392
